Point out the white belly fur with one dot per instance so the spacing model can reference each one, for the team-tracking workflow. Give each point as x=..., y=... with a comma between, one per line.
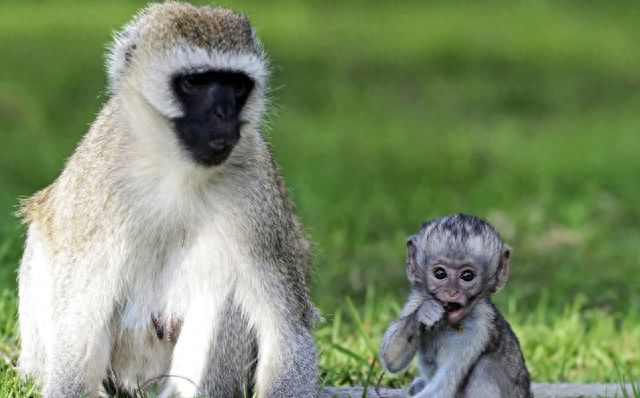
x=200, y=275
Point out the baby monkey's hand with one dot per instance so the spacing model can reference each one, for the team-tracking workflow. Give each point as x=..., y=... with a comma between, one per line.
x=430, y=312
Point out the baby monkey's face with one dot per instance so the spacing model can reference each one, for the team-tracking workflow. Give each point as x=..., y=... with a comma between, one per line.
x=454, y=282
x=457, y=260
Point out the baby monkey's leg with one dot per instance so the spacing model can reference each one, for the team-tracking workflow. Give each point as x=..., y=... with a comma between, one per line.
x=419, y=383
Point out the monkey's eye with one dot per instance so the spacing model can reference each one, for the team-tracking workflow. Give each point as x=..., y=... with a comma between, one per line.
x=239, y=85
x=194, y=81
x=439, y=273
x=467, y=276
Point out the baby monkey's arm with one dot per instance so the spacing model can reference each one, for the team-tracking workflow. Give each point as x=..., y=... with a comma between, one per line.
x=402, y=339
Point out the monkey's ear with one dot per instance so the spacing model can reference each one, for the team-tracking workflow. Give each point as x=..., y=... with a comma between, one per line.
x=503, y=269
x=412, y=269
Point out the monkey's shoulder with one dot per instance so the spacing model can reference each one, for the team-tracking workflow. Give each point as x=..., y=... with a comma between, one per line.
x=504, y=354
x=502, y=340
x=36, y=207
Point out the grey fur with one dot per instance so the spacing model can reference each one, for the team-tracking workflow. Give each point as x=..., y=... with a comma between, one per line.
x=477, y=355
x=141, y=266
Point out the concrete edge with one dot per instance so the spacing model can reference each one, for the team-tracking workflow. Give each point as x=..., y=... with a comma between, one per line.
x=540, y=390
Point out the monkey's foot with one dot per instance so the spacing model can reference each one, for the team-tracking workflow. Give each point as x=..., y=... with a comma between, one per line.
x=171, y=327
x=417, y=385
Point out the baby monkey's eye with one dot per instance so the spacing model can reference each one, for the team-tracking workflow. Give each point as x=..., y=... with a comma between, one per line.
x=467, y=276
x=439, y=273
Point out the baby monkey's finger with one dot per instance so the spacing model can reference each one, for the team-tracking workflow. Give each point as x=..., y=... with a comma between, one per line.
x=430, y=312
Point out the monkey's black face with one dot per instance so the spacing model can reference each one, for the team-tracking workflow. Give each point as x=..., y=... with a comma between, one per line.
x=212, y=103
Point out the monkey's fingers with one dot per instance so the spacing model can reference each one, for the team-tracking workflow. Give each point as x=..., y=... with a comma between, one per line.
x=430, y=312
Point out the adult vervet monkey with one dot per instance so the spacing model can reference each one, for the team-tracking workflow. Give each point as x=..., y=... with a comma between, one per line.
x=167, y=251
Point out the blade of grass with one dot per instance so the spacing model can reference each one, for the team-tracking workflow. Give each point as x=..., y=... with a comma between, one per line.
x=322, y=385
x=366, y=384
x=359, y=326
x=343, y=350
x=337, y=323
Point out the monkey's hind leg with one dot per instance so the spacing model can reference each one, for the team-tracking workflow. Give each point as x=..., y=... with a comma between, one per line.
x=486, y=380
x=34, y=311
x=76, y=366
x=287, y=365
x=32, y=348
x=32, y=353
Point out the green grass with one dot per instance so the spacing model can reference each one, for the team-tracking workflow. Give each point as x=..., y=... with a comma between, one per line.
x=576, y=346
x=387, y=115
x=573, y=346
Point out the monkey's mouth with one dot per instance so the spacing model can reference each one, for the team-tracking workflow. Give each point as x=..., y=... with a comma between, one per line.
x=454, y=310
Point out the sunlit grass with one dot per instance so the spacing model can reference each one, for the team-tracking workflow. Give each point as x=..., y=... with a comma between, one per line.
x=581, y=345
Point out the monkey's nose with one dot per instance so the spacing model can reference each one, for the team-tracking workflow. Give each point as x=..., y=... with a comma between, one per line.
x=219, y=145
x=224, y=111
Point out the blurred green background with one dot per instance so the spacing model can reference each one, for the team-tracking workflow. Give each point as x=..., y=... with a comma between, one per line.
x=387, y=114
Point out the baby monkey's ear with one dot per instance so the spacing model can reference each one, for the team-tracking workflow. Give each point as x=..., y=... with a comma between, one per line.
x=412, y=268
x=503, y=269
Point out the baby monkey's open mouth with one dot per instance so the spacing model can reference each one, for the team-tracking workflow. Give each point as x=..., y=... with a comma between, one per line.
x=452, y=308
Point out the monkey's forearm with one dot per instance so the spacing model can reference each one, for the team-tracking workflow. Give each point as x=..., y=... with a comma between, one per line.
x=400, y=343
x=402, y=338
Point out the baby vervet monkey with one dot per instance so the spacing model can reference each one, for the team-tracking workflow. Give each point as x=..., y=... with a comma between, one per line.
x=466, y=349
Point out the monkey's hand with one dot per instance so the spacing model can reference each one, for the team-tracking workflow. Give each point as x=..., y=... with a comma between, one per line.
x=429, y=313
x=416, y=298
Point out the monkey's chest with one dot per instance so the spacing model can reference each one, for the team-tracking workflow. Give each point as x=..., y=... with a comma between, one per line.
x=435, y=346
x=190, y=273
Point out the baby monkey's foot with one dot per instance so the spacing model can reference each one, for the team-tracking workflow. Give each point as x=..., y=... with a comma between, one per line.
x=171, y=328
x=418, y=385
